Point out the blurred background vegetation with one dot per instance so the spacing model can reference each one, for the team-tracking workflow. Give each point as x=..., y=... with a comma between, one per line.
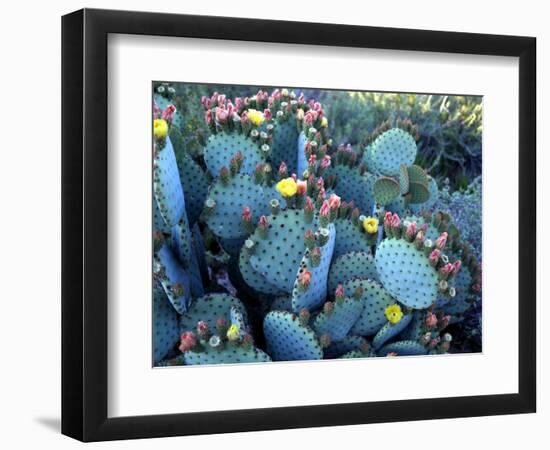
x=449, y=126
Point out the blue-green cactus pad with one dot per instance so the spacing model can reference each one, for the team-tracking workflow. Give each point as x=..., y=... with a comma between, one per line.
x=302, y=159
x=390, y=330
x=165, y=325
x=195, y=186
x=414, y=330
x=210, y=308
x=270, y=193
x=339, y=321
x=232, y=246
x=349, y=266
x=254, y=279
x=278, y=257
x=355, y=354
x=375, y=299
x=417, y=175
x=397, y=206
x=390, y=150
x=241, y=191
x=174, y=274
x=316, y=294
x=222, y=147
x=427, y=205
x=167, y=185
x=352, y=185
x=288, y=340
x=158, y=221
x=349, y=238
x=282, y=303
x=404, y=348
x=403, y=179
x=385, y=190
x=200, y=250
x=347, y=344
x=284, y=146
x=181, y=242
x=406, y=273
x=228, y=355
x=418, y=193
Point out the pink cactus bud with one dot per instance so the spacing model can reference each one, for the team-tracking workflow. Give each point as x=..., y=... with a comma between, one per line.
x=325, y=162
x=308, y=118
x=445, y=320
x=431, y=319
x=395, y=221
x=301, y=187
x=334, y=202
x=305, y=278
x=312, y=159
x=294, y=177
x=309, y=234
x=239, y=103
x=221, y=99
x=283, y=169
x=446, y=270
x=221, y=114
x=388, y=219
x=391, y=354
x=339, y=293
x=325, y=209
x=309, y=206
x=411, y=229
x=263, y=223
x=202, y=328
x=441, y=241
x=244, y=118
x=456, y=266
x=208, y=117
x=267, y=114
x=156, y=111
x=301, y=99
x=247, y=214
x=434, y=256
x=424, y=228
x=187, y=341
x=168, y=113
x=303, y=316
x=328, y=307
x=205, y=102
x=419, y=236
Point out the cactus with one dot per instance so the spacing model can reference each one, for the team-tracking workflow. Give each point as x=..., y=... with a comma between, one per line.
x=172, y=277
x=165, y=325
x=346, y=345
x=390, y=150
x=375, y=301
x=195, y=186
x=337, y=320
x=288, y=340
x=389, y=331
x=349, y=266
x=228, y=355
x=403, y=348
x=209, y=309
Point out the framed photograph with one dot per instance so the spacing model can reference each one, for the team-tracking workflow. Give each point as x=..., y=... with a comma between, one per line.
x=274, y=225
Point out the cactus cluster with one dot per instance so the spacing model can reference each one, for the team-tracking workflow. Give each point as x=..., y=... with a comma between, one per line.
x=273, y=244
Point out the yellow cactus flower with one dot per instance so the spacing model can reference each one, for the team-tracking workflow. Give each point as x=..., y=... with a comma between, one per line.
x=233, y=333
x=160, y=128
x=370, y=225
x=287, y=187
x=324, y=122
x=256, y=118
x=393, y=313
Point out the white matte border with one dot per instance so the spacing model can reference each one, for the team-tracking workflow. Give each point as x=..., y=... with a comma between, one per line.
x=136, y=389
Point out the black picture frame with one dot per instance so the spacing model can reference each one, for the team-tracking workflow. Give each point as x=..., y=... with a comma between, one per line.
x=84, y=224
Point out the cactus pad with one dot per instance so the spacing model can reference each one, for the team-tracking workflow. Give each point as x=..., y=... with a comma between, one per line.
x=165, y=325
x=222, y=147
x=385, y=190
x=375, y=299
x=316, y=293
x=406, y=273
x=339, y=348
x=403, y=179
x=288, y=340
x=195, y=186
x=210, y=308
x=281, y=304
x=349, y=238
x=390, y=150
x=349, y=266
x=173, y=274
x=228, y=355
x=167, y=185
x=418, y=193
x=339, y=321
x=241, y=191
x=404, y=348
x=389, y=331
x=255, y=279
x=285, y=145
x=351, y=185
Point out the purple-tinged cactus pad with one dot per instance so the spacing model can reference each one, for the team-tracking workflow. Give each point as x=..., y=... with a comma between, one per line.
x=209, y=309
x=288, y=340
x=351, y=185
x=349, y=238
x=403, y=348
x=228, y=355
x=316, y=294
x=285, y=146
x=349, y=266
x=225, y=219
x=278, y=257
x=406, y=273
x=389, y=331
x=376, y=299
x=195, y=186
x=165, y=325
x=339, y=321
x=254, y=279
x=174, y=274
x=222, y=147
x=347, y=344
x=167, y=185
x=390, y=150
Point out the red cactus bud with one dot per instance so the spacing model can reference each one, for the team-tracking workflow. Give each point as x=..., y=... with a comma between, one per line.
x=441, y=241
x=324, y=211
x=339, y=293
x=328, y=307
x=202, y=328
x=187, y=341
x=263, y=223
x=247, y=214
x=304, y=316
x=301, y=187
x=431, y=320
x=168, y=113
x=325, y=162
x=434, y=256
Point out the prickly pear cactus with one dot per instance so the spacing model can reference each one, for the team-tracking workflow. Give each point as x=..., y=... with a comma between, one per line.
x=338, y=317
x=195, y=186
x=288, y=340
x=230, y=354
x=403, y=348
x=350, y=266
x=375, y=301
x=165, y=325
x=390, y=150
x=222, y=146
x=389, y=331
x=348, y=344
x=210, y=308
x=174, y=280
